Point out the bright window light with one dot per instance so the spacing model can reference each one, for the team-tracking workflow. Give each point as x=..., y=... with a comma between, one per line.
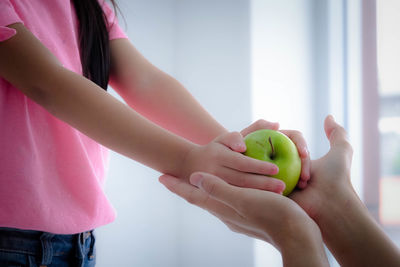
x=389, y=213
x=389, y=125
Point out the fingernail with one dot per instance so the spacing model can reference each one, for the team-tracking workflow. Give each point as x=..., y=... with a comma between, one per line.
x=281, y=188
x=196, y=179
x=167, y=180
x=240, y=146
x=302, y=184
x=275, y=169
x=305, y=151
x=162, y=180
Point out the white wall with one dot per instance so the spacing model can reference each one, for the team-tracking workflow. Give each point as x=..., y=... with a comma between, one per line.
x=282, y=62
x=205, y=45
x=145, y=231
x=213, y=60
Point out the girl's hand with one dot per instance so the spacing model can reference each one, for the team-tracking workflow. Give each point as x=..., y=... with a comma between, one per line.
x=221, y=158
x=256, y=213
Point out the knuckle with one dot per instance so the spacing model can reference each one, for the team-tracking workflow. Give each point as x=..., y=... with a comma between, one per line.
x=334, y=133
x=210, y=187
x=268, y=184
x=241, y=181
x=348, y=147
x=213, y=153
x=192, y=198
x=241, y=165
x=260, y=123
x=221, y=137
x=298, y=134
x=236, y=134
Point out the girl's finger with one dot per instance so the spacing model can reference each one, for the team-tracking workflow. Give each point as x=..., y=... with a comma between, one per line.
x=260, y=124
x=298, y=139
x=244, y=163
x=300, y=142
x=233, y=140
x=305, y=169
x=249, y=180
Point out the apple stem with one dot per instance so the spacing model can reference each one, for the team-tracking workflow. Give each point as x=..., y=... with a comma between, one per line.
x=272, y=148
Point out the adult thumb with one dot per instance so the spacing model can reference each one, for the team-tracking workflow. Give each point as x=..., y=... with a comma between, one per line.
x=336, y=134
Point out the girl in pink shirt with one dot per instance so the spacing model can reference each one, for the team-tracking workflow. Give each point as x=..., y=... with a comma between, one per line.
x=57, y=58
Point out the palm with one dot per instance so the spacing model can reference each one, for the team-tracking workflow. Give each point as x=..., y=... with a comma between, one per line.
x=328, y=175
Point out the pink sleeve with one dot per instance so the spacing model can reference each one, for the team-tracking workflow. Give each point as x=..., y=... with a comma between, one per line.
x=114, y=30
x=7, y=16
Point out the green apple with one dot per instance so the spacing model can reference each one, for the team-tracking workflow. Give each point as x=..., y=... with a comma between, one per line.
x=277, y=148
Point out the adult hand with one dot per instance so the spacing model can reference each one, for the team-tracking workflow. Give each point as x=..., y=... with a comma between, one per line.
x=349, y=231
x=330, y=175
x=256, y=213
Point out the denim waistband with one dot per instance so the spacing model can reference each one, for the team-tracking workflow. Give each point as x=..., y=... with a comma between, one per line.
x=43, y=244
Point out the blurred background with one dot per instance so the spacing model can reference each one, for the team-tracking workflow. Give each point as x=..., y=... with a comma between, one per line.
x=291, y=61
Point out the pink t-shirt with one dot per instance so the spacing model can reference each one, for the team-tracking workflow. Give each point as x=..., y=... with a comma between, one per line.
x=51, y=175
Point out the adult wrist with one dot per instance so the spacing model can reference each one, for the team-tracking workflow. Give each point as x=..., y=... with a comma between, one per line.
x=333, y=203
x=304, y=247
x=292, y=229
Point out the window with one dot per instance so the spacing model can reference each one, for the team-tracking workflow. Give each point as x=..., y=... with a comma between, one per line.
x=388, y=55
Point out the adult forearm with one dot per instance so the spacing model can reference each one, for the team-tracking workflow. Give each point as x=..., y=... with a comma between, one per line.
x=353, y=236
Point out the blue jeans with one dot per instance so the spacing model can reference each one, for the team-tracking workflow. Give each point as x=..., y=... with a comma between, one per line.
x=34, y=248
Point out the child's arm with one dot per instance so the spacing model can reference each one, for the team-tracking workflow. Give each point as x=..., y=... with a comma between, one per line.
x=30, y=66
x=158, y=96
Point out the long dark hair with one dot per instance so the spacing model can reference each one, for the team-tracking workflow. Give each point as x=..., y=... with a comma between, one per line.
x=94, y=41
